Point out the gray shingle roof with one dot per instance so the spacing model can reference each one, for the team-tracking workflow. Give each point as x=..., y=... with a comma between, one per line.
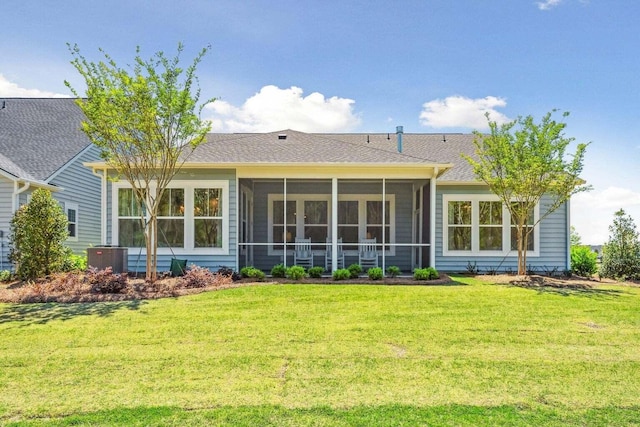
x=39, y=135
x=299, y=147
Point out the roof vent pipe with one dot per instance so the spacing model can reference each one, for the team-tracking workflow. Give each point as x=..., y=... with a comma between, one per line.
x=399, y=132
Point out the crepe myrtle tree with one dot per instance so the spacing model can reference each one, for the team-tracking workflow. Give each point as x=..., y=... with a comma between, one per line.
x=146, y=120
x=521, y=161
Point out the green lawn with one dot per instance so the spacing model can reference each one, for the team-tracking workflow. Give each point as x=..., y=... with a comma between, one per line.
x=335, y=355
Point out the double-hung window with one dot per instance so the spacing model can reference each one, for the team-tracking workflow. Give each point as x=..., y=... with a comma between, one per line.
x=479, y=225
x=171, y=218
x=208, y=218
x=193, y=217
x=71, y=210
x=490, y=227
x=459, y=225
x=130, y=219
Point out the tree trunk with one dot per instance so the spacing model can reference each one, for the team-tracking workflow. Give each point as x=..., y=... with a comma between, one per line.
x=522, y=270
x=152, y=248
x=525, y=247
x=147, y=241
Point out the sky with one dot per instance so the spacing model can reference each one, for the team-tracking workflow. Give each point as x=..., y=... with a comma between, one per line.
x=431, y=66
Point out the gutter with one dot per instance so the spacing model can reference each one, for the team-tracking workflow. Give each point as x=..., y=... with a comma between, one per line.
x=442, y=166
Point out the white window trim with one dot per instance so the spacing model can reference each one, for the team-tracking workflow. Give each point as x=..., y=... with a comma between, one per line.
x=72, y=206
x=189, y=187
x=362, y=212
x=475, y=228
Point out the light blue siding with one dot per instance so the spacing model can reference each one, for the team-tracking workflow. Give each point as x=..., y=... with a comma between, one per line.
x=553, y=241
x=137, y=259
x=81, y=187
x=6, y=191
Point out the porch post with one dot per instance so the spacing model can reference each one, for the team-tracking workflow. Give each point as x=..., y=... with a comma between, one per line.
x=432, y=219
x=284, y=235
x=334, y=224
x=384, y=221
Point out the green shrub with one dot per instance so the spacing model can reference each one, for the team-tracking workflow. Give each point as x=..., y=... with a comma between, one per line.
x=244, y=271
x=279, y=270
x=393, y=271
x=38, y=233
x=584, y=262
x=5, y=275
x=253, y=273
x=316, y=272
x=354, y=270
x=428, y=273
x=375, y=273
x=73, y=262
x=621, y=253
x=341, y=274
x=296, y=272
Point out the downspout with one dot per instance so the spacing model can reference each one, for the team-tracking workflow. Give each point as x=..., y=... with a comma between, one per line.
x=103, y=205
x=432, y=219
x=16, y=193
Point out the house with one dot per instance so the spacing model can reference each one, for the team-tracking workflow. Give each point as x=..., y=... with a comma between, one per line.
x=244, y=199
x=42, y=146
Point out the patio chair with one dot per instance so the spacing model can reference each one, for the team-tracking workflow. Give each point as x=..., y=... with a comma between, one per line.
x=368, y=254
x=328, y=257
x=302, y=255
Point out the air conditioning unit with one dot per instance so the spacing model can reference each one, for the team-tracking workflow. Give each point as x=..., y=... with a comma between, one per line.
x=102, y=257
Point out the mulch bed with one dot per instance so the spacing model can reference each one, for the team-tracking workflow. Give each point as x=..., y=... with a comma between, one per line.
x=169, y=287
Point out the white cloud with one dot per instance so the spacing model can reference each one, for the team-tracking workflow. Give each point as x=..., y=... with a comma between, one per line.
x=592, y=213
x=274, y=109
x=12, y=90
x=459, y=111
x=548, y=4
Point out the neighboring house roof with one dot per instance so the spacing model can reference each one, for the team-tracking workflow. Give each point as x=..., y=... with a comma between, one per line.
x=14, y=170
x=38, y=136
x=292, y=147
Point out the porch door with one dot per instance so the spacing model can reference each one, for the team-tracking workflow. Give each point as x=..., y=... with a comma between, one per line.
x=246, y=224
x=416, y=253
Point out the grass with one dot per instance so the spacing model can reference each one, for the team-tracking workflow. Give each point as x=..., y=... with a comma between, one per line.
x=473, y=354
